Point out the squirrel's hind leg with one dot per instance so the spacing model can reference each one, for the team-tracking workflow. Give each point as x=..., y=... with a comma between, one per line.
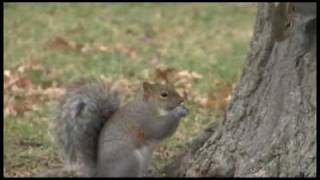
x=124, y=162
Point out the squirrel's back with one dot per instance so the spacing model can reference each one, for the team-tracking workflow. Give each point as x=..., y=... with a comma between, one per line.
x=82, y=112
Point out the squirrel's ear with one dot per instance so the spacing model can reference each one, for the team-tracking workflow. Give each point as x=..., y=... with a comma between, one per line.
x=146, y=86
x=146, y=89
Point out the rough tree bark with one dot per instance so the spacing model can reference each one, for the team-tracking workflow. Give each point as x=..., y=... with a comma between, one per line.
x=269, y=127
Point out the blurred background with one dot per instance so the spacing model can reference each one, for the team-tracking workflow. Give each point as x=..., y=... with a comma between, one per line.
x=200, y=47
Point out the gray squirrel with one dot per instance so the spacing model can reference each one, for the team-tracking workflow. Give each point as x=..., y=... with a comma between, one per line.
x=101, y=139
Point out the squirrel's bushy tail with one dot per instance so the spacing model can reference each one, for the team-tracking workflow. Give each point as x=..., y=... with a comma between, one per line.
x=81, y=114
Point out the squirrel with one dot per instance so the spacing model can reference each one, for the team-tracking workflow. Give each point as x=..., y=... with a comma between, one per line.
x=102, y=139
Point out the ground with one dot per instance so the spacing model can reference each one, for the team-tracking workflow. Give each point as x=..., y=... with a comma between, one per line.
x=199, y=47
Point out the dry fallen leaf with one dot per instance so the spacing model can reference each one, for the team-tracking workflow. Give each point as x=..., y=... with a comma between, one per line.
x=58, y=43
x=101, y=47
x=217, y=99
x=126, y=50
x=21, y=94
x=24, y=82
x=164, y=73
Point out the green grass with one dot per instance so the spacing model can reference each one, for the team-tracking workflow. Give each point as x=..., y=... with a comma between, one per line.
x=210, y=39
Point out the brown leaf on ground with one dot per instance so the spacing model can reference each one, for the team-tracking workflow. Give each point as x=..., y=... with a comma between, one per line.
x=182, y=80
x=53, y=92
x=170, y=33
x=59, y=43
x=22, y=94
x=217, y=99
x=126, y=50
x=29, y=142
x=24, y=82
x=101, y=47
x=183, y=93
x=26, y=64
x=164, y=73
x=121, y=85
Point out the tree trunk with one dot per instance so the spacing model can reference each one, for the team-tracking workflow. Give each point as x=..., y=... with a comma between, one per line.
x=269, y=127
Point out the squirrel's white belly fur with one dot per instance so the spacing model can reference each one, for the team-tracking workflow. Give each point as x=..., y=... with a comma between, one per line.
x=162, y=112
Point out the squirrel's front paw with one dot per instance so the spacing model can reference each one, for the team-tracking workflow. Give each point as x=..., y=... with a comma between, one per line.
x=181, y=110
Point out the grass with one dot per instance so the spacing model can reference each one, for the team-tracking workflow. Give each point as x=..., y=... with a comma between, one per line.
x=209, y=39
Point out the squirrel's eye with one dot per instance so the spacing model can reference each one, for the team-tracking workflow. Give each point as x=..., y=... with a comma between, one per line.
x=164, y=94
